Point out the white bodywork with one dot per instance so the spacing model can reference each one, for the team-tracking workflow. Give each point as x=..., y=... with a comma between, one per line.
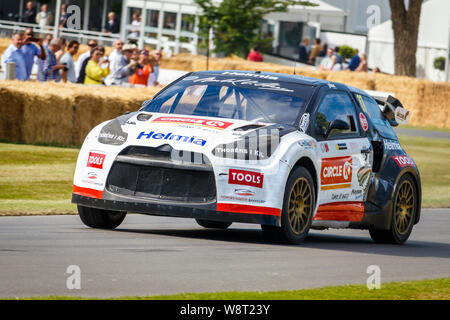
x=337, y=163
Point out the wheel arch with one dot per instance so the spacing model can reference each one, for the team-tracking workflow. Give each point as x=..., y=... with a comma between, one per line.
x=307, y=163
x=413, y=173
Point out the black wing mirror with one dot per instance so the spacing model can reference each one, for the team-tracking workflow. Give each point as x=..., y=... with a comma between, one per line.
x=337, y=124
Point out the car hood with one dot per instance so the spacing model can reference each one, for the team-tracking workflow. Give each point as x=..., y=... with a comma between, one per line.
x=191, y=133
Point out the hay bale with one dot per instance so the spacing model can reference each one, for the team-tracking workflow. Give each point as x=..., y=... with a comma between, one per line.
x=410, y=91
x=361, y=80
x=11, y=110
x=436, y=104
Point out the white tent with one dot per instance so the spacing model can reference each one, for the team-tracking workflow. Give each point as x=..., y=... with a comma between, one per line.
x=433, y=42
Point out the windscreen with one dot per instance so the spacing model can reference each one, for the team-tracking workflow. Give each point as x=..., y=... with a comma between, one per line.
x=256, y=100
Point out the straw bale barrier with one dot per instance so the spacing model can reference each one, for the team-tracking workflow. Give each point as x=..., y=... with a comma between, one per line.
x=35, y=112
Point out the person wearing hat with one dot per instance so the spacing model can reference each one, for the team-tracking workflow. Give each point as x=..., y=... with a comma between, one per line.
x=122, y=66
x=143, y=69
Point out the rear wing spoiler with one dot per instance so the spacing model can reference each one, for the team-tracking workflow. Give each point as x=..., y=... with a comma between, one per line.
x=391, y=107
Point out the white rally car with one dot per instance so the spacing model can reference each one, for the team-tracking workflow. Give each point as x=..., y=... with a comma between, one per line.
x=287, y=152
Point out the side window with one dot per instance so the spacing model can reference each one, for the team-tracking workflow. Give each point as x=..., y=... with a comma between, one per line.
x=372, y=109
x=336, y=105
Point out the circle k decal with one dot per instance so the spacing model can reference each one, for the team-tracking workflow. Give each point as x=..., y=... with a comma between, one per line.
x=363, y=120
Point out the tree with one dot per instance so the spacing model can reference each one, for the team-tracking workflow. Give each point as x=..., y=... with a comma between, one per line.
x=236, y=23
x=405, y=24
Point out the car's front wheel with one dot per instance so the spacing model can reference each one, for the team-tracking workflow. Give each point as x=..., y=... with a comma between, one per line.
x=403, y=214
x=213, y=224
x=298, y=208
x=100, y=219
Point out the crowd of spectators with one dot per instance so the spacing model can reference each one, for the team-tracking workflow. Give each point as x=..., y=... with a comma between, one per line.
x=55, y=61
x=330, y=59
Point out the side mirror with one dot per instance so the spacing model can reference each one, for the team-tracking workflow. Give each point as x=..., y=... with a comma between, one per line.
x=336, y=124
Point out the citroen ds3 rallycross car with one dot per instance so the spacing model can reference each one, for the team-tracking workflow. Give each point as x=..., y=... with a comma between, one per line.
x=287, y=152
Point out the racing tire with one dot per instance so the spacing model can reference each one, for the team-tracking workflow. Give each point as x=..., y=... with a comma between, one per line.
x=404, y=212
x=100, y=219
x=213, y=224
x=298, y=208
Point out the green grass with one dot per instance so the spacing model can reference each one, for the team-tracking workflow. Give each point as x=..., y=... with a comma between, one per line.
x=432, y=158
x=429, y=128
x=38, y=179
x=436, y=289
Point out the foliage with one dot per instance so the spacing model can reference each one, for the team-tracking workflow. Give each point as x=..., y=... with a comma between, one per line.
x=236, y=23
x=439, y=63
x=346, y=52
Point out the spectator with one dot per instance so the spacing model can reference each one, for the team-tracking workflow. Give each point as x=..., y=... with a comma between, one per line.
x=14, y=54
x=62, y=50
x=143, y=69
x=376, y=70
x=112, y=25
x=303, y=54
x=122, y=67
x=323, y=52
x=153, y=78
x=29, y=16
x=68, y=73
x=47, y=40
x=32, y=47
x=254, y=55
x=354, y=62
x=96, y=69
x=64, y=16
x=82, y=61
x=340, y=61
x=44, y=18
x=118, y=44
x=363, y=67
x=50, y=68
x=315, y=51
x=136, y=23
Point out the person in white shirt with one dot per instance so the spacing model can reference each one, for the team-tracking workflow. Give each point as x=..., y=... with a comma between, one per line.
x=44, y=18
x=153, y=78
x=118, y=45
x=68, y=74
x=92, y=44
x=122, y=66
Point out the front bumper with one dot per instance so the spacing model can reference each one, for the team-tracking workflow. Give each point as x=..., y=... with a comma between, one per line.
x=171, y=209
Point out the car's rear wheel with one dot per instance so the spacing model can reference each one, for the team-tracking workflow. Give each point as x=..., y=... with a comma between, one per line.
x=298, y=207
x=403, y=214
x=100, y=219
x=213, y=224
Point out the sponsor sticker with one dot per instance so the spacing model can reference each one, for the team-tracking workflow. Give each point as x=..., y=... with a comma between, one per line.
x=245, y=178
x=324, y=147
x=336, y=173
x=304, y=122
x=341, y=146
x=244, y=192
x=216, y=124
x=363, y=121
x=92, y=175
x=96, y=160
x=391, y=145
x=171, y=136
x=404, y=161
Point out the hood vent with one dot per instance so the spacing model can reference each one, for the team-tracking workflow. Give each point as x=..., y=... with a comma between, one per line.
x=249, y=127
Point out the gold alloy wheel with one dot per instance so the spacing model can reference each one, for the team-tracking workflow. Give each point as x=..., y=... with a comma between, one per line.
x=300, y=205
x=404, y=207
